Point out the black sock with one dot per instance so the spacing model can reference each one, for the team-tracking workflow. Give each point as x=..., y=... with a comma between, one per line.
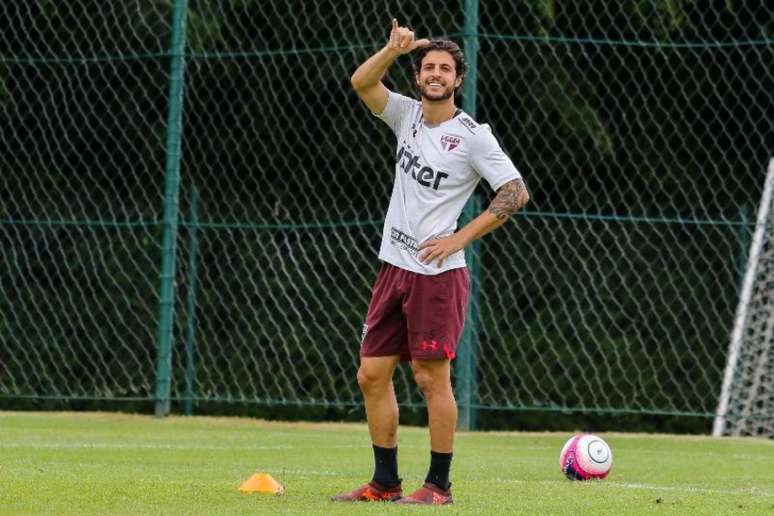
x=386, y=466
x=440, y=463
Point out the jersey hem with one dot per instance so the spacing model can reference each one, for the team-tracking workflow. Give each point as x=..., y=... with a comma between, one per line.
x=423, y=272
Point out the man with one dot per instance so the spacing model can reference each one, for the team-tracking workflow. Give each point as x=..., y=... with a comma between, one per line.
x=420, y=295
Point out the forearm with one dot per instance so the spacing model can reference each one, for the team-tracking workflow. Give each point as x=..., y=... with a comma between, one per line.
x=510, y=198
x=370, y=73
x=482, y=225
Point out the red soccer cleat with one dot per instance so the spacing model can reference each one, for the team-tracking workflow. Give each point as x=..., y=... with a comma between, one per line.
x=370, y=492
x=428, y=494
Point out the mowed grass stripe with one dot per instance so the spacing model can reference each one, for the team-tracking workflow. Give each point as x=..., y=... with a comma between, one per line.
x=71, y=463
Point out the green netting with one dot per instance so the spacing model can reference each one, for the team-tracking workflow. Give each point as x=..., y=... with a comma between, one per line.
x=642, y=129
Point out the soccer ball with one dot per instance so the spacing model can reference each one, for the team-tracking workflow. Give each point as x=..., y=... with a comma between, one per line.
x=585, y=456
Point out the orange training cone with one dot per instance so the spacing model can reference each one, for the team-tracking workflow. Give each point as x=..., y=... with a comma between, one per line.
x=261, y=483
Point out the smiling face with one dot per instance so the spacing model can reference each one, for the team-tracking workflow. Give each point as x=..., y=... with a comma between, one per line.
x=437, y=76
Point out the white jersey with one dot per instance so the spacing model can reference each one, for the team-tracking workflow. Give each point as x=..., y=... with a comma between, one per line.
x=437, y=169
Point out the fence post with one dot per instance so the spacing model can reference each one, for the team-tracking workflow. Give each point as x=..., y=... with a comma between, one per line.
x=190, y=333
x=171, y=192
x=465, y=368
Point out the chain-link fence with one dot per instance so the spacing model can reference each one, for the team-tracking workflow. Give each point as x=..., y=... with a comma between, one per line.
x=642, y=130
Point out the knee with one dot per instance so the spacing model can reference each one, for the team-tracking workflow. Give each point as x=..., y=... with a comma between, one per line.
x=427, y=382
x=370, y=382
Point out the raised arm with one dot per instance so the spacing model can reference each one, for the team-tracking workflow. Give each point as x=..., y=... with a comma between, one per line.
x=509, y=199
x=367, y=79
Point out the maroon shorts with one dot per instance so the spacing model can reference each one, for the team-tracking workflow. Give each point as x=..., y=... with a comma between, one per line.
x=416, y=316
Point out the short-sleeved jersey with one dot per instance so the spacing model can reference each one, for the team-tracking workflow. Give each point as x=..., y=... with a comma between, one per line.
x=437, y=169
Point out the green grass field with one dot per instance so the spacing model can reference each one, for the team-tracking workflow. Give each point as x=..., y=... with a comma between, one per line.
x=68, y=463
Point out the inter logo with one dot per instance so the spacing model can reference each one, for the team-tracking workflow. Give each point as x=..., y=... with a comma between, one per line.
x=424, y=175
x=449, y=142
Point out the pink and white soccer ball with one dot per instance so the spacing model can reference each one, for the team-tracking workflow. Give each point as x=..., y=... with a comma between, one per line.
x=585, y=456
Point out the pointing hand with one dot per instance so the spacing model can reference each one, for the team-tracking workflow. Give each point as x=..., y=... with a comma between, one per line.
x=402, y=39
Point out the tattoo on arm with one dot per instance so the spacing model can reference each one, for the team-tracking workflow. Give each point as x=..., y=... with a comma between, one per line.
x=510, y=197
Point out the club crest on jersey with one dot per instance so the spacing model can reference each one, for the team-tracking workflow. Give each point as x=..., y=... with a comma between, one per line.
x=449, y=142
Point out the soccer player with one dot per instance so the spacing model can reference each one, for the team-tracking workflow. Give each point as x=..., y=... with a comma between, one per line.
x=420, y=296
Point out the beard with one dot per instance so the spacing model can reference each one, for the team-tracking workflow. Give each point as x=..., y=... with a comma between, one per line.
x=443, y=95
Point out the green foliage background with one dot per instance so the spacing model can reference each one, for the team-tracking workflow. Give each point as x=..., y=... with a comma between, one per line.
x=642, y=129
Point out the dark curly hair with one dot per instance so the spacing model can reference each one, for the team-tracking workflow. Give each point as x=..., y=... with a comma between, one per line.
x=444, y=45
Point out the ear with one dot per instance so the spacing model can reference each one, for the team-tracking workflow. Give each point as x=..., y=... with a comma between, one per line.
x=458, y=81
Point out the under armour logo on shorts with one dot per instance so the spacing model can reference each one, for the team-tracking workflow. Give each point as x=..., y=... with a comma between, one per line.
x=429, y=345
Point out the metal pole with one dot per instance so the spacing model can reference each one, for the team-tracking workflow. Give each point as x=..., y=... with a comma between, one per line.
x=190, y=333
x=465, y=367
x=467, y=359
x=171, y=192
